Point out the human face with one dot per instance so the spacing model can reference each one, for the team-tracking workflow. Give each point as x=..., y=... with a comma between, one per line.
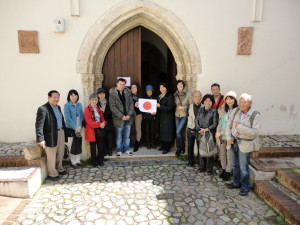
x=120, y=86
x=162, y=89
x=93, y=101
x=244, y=105
x=101, y=96
x=207, y=103
x=73, y=98
x=197, y=98
x=54, y=99
x=149, y=93
x=180, y=86
x=134, y=89
x=215, y=90
x=230, y=101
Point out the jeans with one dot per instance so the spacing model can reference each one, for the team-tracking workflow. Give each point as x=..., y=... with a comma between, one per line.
x=191, y=136
x=240, y=167
x=122, y=137
x=180, y=126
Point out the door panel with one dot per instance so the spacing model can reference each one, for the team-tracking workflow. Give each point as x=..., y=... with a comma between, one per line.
x=123, y=59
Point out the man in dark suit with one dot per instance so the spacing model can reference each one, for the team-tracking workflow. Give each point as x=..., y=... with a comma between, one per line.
x=50, y=134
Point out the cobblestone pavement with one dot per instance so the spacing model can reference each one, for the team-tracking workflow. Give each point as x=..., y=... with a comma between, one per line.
x=151, y=194
x=266, y=141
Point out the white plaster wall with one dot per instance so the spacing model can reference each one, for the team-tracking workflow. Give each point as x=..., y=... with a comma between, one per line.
x=271, y=73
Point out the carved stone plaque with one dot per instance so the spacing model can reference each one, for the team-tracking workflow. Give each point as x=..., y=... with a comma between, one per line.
x=28, y=41
x=244, y=40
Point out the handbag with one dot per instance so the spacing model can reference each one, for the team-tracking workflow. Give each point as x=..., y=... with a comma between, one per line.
x=69, y=132
x=207, y=146
x=100, y=132
x=66, y=152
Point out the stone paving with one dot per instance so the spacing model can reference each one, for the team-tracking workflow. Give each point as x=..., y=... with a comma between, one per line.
x=266, y=141
x=149, y=194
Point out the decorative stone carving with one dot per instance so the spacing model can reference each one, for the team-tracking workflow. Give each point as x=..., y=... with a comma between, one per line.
x=28, y=41
x=244, y=40
x=98, y=81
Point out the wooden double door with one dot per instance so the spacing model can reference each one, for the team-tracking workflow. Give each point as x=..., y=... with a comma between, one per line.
x=124, y=59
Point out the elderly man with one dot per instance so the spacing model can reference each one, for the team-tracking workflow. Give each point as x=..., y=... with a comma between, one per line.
x=50, y=135
x=242, y=134
x=191, y=131
x=121, y=106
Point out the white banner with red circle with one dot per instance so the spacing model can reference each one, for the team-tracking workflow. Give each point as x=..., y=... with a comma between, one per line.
x=147, y=105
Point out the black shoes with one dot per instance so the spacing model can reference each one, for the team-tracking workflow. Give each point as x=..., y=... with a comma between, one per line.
x=200, y=170
x=54, y=178
x=243, y=192
x=222, y=174
x=165, y=151
x=177, y=153
x=190, y=164
x=136, y=146
x=226, y=176
x=63, y=172
x=232, y=186
x=100, y=164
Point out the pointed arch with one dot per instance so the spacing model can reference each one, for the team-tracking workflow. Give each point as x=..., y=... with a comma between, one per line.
x=124, y=17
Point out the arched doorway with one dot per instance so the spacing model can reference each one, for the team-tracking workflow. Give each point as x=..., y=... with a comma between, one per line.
x=123, y=17
x=141, y=55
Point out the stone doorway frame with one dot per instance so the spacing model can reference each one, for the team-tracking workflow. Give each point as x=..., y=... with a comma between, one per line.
x=122, y=18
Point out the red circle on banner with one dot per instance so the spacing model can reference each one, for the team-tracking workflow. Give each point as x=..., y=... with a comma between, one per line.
x=147, y=105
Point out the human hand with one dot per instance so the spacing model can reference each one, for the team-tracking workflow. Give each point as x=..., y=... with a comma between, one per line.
x=77, y=130
x=229, y=142
x=102, y=125
x=153, y=113
x=180, y=107
x=157, y=105
x=218, y=134
x=127, y=117
x=136, y=104
x=124, y=118
x=42, y=144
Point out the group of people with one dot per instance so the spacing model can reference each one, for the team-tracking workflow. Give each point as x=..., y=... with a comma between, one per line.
x=230, y=122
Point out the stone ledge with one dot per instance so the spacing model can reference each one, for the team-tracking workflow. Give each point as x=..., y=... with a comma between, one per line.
x=276, y=152
x=278, y=200
x=289, y=180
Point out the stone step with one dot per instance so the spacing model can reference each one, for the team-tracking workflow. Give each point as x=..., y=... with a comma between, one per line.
x=280, y=201
x=274, y=164
x=20, y=161
x=20, y=182
x=276, y=152
x=290, y=180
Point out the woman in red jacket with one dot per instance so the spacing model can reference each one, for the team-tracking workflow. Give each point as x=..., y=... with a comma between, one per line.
x=95, y=120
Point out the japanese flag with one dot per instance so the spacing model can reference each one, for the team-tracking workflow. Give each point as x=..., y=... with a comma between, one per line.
x=147, y=105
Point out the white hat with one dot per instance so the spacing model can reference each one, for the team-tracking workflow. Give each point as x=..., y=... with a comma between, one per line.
x=231, y=94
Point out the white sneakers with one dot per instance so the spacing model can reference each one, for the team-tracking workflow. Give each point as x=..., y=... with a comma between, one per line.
x=128, y=152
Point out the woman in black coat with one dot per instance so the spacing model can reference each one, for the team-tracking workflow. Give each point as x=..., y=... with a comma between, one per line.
x=165, y=107
x=206, y=120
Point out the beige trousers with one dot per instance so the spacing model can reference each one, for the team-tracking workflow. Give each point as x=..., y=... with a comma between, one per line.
x=138, y=126
x=55, y=155
x=225, y=157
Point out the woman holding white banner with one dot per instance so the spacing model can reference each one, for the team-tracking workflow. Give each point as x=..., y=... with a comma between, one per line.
x=165, y=107
x=138, y=117
x=150, y=120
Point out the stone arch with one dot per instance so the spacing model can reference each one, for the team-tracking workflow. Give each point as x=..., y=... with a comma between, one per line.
x=122, y=18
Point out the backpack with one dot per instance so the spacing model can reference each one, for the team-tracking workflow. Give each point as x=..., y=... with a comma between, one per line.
x=251, y=117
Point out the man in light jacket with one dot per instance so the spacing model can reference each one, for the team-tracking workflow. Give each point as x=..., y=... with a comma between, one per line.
x=242, y=133
x=121, y=106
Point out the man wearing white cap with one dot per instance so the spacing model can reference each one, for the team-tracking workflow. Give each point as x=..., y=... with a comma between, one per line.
x=242, y=132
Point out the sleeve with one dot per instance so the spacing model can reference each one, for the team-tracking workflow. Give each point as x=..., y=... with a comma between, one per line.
x=89, y=119
x=39, y=124
x=113, y=107
x=215, y=120
x=229, y=125
x=169, y=106
x=131, y=106
x=102, y=119
x=67, y=113
x=253, y=132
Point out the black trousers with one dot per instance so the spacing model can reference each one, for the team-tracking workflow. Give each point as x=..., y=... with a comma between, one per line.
x=191, y=136
x=108, y=142
x=206, y=163
x=166, y=145
x=97, y=158
x=150, y=131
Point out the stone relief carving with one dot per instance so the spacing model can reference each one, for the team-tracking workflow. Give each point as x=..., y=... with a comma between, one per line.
x=244, y=40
